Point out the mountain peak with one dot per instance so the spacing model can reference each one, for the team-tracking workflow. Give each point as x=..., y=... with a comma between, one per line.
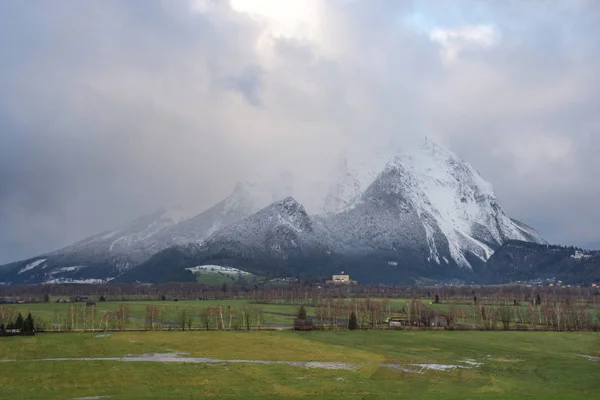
x=290, y=204
x=430, y=144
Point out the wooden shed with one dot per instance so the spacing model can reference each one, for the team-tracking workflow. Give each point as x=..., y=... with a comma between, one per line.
x=303, y=324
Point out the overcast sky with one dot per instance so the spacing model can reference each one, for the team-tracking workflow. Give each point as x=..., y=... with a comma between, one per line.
x=111, y=109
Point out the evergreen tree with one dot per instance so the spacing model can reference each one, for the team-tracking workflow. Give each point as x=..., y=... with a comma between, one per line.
x=301, y=312
x=102, y=298
x=474, y=299
x=538, y=300
x=19, y=323
x=46, y=298
x=224, y=288
x=163, y=298
x=437, y=299
x=352, y=322
x=2, y=329
x=28, y=325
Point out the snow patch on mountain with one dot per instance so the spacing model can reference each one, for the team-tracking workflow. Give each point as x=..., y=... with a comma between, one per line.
x=215, y=269
x=60, y=281
x=63, y=270
x=32, y=265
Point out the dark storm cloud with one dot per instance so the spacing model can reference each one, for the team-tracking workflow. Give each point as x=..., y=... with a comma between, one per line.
x=111, y=109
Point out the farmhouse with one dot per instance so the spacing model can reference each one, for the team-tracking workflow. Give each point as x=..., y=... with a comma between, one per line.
x=424, y=321
x=397, y=323
x=341, y=279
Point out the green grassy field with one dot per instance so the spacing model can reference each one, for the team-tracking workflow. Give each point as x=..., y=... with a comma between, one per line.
x=169, y=311
x=513, y=365
x=274, y=315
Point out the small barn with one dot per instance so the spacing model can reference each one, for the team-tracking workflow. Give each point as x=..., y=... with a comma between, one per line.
x=398, y=323
x=303, y=325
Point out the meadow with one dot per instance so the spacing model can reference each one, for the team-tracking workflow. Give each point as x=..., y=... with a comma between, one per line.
x=338, y=365
x=279, y=314
x=168, y=315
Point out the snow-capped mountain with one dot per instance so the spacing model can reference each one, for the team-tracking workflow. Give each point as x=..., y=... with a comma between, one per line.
x=279, y=239
x=425, y=214
x=109, y=254
x=422, y=211
x=278, y=230
x=352, y=176
x=424, y=197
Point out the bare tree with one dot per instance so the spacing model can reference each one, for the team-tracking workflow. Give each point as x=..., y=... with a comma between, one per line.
x=505, y=314
x=151, y=316
x=122, y=316
x=189, y=321
x=247, y=314
x=182, y=319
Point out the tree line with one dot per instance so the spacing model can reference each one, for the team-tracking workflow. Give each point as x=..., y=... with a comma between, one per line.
x=298, y=293
x=11, y=324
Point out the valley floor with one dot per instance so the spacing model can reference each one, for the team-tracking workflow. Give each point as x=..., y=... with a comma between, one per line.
x=287, y=364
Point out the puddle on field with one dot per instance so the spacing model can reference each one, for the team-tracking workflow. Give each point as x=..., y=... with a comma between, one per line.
x=437, y=367
x=470, y=362
x=93, y=398
x=103, y=335
x=591, y=358
x=398, y=367
x=180, y=358
x=177, y=358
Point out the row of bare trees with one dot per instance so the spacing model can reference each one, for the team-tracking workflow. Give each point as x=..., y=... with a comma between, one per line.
x=79, y=317
x=298, y=293
x=557, y=316
x=248, y=316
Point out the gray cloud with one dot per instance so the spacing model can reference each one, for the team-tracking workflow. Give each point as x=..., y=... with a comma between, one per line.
x=112, y=109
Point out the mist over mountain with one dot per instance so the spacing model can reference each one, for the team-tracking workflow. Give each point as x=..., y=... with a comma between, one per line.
x=422, y=214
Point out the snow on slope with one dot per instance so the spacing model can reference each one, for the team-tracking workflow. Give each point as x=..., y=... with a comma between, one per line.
x=462, y=202
x=448, y=194
x=279, y=229
x=215, y=269
x=128, y=246
x=353, y=177
x=453, y=212
x=32, y=265
x=59, y=281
